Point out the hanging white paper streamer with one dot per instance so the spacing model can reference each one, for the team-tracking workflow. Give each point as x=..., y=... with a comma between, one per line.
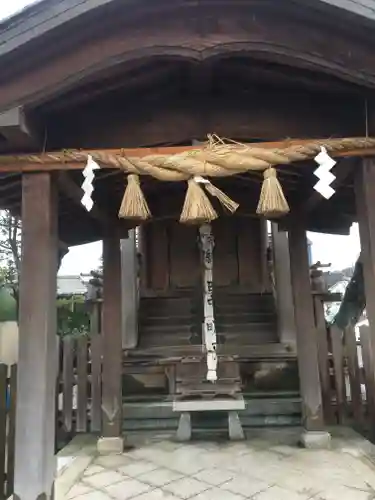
x=209, y=330
x=324, y=174
x=87, y=186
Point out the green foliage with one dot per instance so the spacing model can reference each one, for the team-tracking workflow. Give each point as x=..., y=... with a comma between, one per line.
x=72, y=315
x=8, y=305
x=73, y=318
x=10, y=252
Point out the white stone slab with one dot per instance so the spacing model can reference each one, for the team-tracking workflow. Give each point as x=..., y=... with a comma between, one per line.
x=211, y=405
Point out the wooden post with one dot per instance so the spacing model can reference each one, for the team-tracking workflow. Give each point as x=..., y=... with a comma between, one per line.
x=307, y=348
x=284, y=294
x=35, y=463
x=323, y=352
x=129, y=291
x=365, y=196
x=354, y=374
x=338, y=371
x=112, y=348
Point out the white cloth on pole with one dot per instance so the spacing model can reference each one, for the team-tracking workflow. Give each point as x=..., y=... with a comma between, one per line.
x=209, y=330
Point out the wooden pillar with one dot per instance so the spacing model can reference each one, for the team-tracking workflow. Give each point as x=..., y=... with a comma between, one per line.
x=112, y=348
x=35, y=464
x=283, y=283
x=307, y=348
x=129, y=285
x=365, y=197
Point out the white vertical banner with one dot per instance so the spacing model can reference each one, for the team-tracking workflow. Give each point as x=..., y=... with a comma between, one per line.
x=209, y=330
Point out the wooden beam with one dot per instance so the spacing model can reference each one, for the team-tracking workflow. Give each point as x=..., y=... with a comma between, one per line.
x=35, y=422
x=18, y=164
x=112, y=339
x=226, y=112
x=75, y=193
x=307, y=346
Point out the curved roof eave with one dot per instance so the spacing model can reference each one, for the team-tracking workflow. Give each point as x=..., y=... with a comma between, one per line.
x=46, y=15
x=40, y=18
x=364, y=8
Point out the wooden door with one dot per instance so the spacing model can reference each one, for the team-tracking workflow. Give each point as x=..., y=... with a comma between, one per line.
x=171, y=257
x=172, y=262
x=240, y=253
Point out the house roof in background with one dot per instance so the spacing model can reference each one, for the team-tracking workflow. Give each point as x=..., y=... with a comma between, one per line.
x=72, y=285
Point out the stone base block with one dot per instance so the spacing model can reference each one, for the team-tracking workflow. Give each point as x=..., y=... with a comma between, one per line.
x=184, y=427
x=316, y=440
x=110, y=446
x=234, y=426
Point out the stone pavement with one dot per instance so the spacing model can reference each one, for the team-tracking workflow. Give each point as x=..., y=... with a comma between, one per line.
x=268, y=466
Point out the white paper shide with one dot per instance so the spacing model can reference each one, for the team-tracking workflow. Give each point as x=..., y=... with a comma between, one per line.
x=209, y=330
x=88, y=184
x=324, y=174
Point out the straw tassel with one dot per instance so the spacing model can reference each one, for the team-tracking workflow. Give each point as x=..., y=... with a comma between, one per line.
x=272, y=202
x=134, y=204
x=197, y=207
x=224, y=199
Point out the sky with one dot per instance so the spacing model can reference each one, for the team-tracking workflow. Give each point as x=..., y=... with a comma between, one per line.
x=340, y=251
x=10, y=7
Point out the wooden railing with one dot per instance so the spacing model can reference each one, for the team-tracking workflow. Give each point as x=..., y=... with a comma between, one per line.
x=80, y=385
x=346, y=373
x=78, y=399
x=8, y=394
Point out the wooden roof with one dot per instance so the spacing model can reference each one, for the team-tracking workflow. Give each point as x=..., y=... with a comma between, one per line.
x=126, y=73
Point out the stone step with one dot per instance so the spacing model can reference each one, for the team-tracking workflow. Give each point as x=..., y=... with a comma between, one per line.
x=258, y=413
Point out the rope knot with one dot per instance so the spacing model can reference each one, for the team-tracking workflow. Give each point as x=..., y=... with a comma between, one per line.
x=269, y=173
x=134, y=178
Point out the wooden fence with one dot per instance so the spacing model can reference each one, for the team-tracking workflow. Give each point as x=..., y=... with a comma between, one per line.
x=346, y=374
x=350, y=393
x=8, y=394
x=78, y=399
x=79, y=384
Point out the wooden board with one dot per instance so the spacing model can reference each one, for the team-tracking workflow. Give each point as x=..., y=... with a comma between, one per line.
x=249, y=244
x=96, y=383
x=12, y=430
x=67, y=383
x=338, y=367
x=325, y=379
x=155, y=258
x=3, y=424
x=354, y=373
x=172, y=262
x=82, y=384
x=184, y=264
x=365, y=339
x=225, y=270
